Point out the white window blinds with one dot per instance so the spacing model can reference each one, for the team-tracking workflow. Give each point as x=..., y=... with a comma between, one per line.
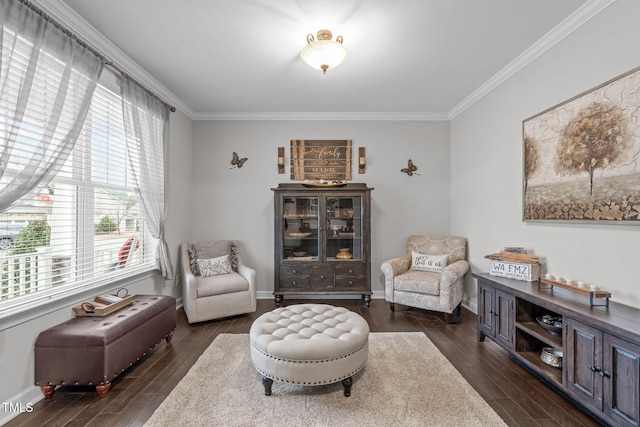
x=87, y=227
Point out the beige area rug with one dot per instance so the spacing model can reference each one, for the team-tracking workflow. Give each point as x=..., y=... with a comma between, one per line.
x=406, y=382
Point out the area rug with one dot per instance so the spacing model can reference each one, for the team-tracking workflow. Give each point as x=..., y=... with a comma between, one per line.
x=406, y=382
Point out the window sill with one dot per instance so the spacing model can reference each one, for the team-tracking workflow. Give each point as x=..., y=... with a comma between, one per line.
x=14, y=317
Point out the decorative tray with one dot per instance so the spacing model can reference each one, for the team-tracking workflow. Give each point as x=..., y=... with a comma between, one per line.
x=573, y=288
x=100, y=309
x=323, y=184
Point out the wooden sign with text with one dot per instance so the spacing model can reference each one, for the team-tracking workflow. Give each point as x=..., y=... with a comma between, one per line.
x=321, y=159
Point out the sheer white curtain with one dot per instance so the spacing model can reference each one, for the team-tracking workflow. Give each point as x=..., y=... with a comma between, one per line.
x=47, y=80
x=146, y=122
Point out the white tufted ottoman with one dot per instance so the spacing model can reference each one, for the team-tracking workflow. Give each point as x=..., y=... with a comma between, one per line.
x=309, y=344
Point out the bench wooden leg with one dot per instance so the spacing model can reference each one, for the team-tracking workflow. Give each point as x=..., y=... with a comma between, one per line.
x=47, y=390
x=103, y=390
x=170, y=336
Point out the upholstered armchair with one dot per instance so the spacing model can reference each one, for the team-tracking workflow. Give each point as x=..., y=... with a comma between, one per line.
x=215, y=282
x=430, y=276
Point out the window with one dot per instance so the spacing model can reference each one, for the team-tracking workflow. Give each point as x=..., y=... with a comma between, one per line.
x=87, y=227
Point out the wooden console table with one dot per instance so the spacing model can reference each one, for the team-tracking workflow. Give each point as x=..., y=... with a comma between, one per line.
x=601, y=344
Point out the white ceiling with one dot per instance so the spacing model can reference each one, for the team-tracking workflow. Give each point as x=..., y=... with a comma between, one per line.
x=408, y=59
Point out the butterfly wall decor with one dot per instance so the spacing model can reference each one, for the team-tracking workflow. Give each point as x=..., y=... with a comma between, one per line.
x=410, y=169
x=237, y=161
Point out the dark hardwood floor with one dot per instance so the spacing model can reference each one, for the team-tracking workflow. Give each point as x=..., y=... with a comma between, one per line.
x=515, y=394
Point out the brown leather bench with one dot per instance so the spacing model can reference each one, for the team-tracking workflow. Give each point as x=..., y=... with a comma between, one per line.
x=95, y=350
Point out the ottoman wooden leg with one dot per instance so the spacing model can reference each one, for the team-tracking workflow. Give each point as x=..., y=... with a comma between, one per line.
x=103, y=390
x=347, y=386
x=267, y=385
x=47, y=390
x=170, y=336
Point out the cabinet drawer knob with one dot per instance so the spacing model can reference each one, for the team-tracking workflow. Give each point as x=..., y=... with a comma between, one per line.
x=596, y=369
x=322, y=276
x=293, y=282
x=604, y=374
x=294, y=271
x=350, y=282
x=350, y=271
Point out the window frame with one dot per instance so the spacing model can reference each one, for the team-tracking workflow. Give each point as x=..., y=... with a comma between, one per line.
x=41, y=303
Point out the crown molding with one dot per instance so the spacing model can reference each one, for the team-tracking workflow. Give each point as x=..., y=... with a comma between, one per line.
x=88, y=34
x=562, y=30
x=76, y=24
x=350, y=116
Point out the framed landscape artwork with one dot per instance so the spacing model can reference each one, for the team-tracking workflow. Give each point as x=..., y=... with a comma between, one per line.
x=582, y=157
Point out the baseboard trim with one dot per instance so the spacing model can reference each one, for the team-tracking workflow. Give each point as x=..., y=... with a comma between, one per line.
x=269, y=295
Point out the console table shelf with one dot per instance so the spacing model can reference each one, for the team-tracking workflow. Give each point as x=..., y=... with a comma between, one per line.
x=600, y=344
x=538, y=332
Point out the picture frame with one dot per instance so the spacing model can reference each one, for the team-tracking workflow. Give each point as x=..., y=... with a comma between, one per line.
x=581, y=157
x=321, y=159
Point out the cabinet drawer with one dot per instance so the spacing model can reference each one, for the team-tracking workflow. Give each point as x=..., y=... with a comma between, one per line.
x=351, y=283
x=322, y=277
x=294, y=283
x=295, y=271
x=351, y=270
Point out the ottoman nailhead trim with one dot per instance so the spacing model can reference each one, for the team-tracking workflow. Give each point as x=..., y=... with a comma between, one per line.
x=282, y=359
x=355, y=371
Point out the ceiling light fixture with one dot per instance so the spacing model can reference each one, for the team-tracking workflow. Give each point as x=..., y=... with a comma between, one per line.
x=324, y=54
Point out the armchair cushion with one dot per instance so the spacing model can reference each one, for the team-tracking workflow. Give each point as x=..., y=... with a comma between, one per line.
x=424, y=282
x=219, y=285
x=424, y=262
x=214, y=266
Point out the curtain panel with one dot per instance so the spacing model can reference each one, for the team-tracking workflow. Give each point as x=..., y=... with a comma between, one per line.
x=47, y=80
x=146, y=122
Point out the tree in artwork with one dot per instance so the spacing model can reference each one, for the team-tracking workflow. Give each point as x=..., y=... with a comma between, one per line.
x=594, y=139
x=530, y=159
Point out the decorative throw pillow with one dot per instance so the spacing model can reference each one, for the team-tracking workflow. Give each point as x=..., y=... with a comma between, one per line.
x=214, y=266
x=192, y=260
x=433, y=263
x=234, y=256
x=205, y=250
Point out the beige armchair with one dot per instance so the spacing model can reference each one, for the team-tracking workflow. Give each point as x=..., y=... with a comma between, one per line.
x=226, y=286
x=410, y=285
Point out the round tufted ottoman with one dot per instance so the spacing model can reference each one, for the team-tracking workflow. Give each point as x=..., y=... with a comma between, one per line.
x=309, y=344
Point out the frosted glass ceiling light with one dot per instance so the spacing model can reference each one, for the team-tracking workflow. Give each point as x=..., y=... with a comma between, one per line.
x=324, y=54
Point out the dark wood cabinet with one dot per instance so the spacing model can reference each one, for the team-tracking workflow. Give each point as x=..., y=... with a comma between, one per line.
x=495, y=315
x=322, y=241
x=601, y=371
x=600, y=345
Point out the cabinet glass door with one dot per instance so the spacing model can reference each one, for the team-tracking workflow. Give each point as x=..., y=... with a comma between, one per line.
x=301, y=228
x=344, y=228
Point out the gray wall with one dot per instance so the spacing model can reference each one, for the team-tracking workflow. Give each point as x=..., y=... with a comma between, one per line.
x=237, y=203
x=486, y=168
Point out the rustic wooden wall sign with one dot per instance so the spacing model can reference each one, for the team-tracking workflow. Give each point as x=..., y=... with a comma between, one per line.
x=581, y=156
x=321, y=159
